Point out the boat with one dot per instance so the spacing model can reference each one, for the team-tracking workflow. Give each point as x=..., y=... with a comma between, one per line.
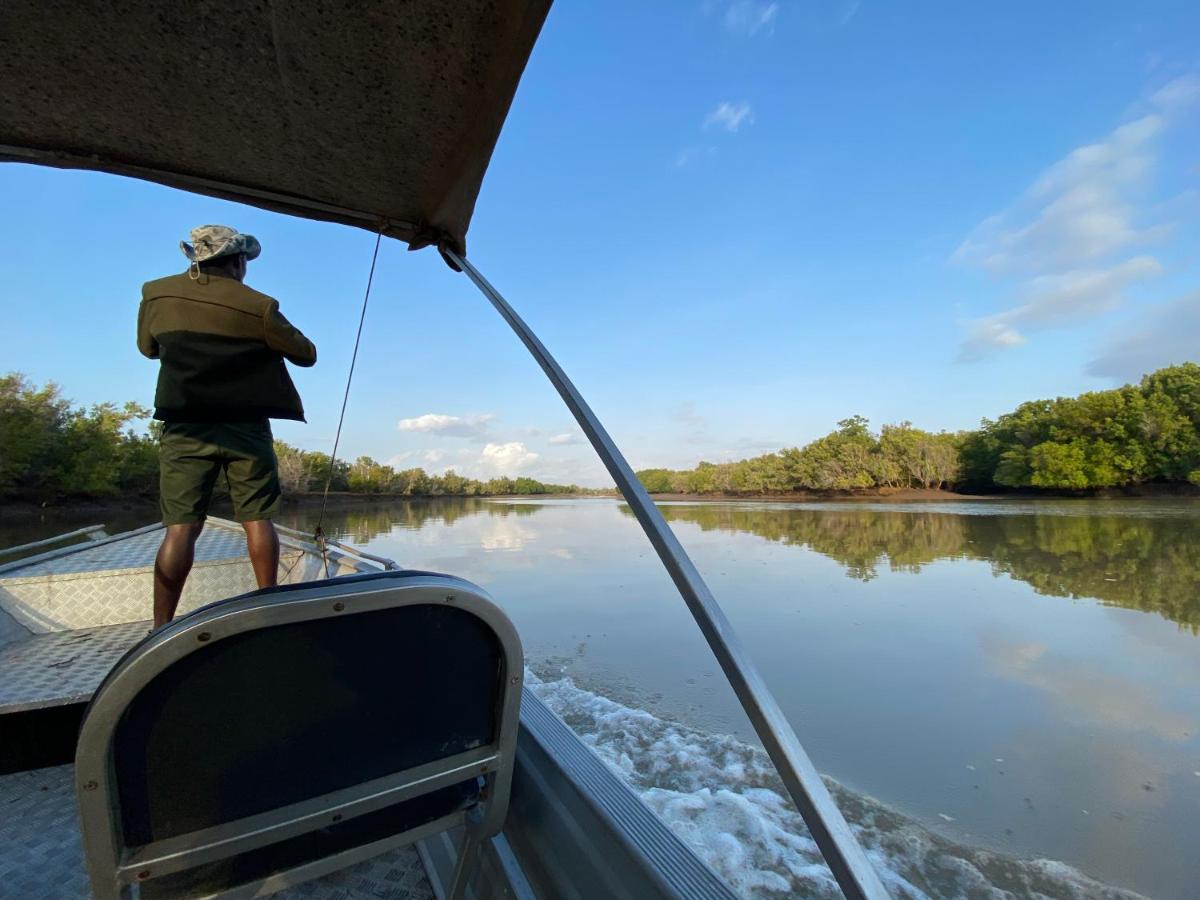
x=385, y=119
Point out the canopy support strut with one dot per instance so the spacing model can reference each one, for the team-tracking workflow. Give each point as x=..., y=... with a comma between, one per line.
x=833, y=836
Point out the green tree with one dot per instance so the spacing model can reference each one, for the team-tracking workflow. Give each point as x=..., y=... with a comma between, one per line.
x=33, y=422
x=656, y=481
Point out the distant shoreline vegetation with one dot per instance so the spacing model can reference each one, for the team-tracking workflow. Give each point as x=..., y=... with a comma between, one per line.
x=304, y=471
x=51, y=449
x=1128, y=436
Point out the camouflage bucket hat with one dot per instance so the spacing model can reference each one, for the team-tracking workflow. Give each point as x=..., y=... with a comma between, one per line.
x=214, y=241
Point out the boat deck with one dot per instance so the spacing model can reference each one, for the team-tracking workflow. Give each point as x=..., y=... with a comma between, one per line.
x=111, y=581
x=66, y=617
x=41, y=857
x=62, y=667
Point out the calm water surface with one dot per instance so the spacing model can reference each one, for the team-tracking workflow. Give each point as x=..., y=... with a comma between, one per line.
x=1028, y=670
x=1017, y=676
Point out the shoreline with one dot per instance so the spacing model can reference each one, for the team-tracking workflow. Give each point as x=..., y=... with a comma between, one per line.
x=880, y=495
x=20, y=508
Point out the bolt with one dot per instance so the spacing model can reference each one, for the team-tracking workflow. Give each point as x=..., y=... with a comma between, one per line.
x=203, y=636
x=449, y=598
x=90, y=786
x=143, y=875
x=515, y=679
x=337, y=817
x=339, y=606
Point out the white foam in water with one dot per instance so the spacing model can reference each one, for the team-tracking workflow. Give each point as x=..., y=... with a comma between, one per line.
x=723, y=798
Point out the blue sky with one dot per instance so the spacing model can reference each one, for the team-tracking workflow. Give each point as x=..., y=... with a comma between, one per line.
x=733, y=222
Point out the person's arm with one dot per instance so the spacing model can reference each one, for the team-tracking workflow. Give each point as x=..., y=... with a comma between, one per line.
x=285, y=337
x=145, y=340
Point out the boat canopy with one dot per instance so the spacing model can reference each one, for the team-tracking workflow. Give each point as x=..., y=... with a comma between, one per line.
x=380, y=115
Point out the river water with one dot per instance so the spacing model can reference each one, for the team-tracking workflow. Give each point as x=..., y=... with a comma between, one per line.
x=1004, y=694
x=1015, y=677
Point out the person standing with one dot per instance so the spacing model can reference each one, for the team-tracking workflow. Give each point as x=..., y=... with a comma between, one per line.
x=221, y=348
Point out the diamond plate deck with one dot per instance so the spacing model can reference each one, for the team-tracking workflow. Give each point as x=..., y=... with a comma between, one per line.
x=41, y=857
x=62, y=667
x=90, y=586
x=88, y=599
x=136, y=552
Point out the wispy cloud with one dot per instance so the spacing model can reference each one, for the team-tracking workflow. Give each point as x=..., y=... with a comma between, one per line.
x=475, y=427
x=693, y=425
x=846, y=11
x=987, y=336
x=1165, y=335
x=730, y=116
x=1062, y=240
x=400, y=460
x=690, y=156
x=1081, y=209
x=1054, y=301
x=1178, y=94
x=749, y=17
x=567, y=439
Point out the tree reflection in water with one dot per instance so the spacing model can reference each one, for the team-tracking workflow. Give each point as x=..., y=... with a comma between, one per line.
x=1148, y=563
x=363, y=521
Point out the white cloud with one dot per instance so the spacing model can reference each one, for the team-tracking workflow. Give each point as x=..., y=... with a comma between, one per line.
x=1056, y=300
x=1079, y=210
x=513, y=458
x=985, y=337
x=749, y=17
x=1177, y=94
x=1166, y=335
x=1062, y=235
x=730, y=116
x=563, y=440
x=400, y=459
x=452, y=426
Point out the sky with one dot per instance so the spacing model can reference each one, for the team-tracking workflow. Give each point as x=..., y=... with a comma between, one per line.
x=734, y=222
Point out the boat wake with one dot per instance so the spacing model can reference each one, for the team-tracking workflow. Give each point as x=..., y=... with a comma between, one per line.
x=724, y=799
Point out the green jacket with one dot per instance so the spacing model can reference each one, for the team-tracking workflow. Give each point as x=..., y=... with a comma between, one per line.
x=222, y=347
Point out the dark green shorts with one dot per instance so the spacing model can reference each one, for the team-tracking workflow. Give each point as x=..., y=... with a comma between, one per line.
x=192, y=454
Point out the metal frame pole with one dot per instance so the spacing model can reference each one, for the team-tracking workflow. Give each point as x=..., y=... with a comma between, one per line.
x=833, y=836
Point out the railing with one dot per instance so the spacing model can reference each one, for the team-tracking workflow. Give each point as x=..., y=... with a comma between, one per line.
x=833, y=836
x=305, y=542
x=59, y=552
x=92, y=532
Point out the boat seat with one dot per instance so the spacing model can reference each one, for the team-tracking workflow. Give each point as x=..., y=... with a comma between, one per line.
x=273, y=738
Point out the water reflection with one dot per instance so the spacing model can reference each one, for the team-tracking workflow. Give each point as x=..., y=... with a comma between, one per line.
x=1084, y=693
x=1149, y=563
x=365, y=521
x=994, y=718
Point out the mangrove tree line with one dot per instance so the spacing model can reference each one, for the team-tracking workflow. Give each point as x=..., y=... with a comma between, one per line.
x=50, y=448
x=1148, y=432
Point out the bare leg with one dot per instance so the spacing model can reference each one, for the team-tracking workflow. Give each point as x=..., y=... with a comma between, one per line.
x=263, y=544
x=171, y=568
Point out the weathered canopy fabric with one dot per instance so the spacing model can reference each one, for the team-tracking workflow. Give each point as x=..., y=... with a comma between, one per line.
x=376, y=114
